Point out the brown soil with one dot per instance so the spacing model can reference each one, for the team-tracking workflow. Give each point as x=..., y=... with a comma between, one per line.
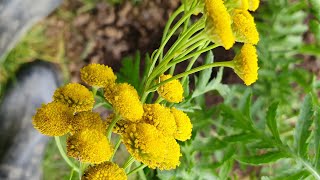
x=107, y=33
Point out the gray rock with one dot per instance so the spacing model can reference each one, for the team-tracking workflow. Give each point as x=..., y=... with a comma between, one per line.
x=17, y=16
x=21, y=146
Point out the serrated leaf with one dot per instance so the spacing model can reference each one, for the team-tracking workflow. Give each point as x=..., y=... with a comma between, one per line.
x=315, y=29
x=130, y=71
x=271, y=120
x=236, y=117
x=242, y=137
x=292, y=174
x=262, y=159
x=302, y=131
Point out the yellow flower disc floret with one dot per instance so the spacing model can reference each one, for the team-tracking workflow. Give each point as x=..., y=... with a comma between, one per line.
x=184, y=126
x=218, y=25
x=76, y=96
x=244, y=27
x=125, y=101
x=87, y=120
x=97, y=75
x=105, y=171
x=246, y=64
x=53, y=119
x=253, y=4
x=145, y=143
x=237, y=4
x=120, y=126
x=171, y=91
x=89, y=146
x=160, y=117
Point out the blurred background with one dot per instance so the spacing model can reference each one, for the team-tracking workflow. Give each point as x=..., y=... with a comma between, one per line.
x=79, y=32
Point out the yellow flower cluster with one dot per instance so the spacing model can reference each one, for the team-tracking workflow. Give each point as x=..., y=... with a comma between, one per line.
x=125, y=101
x=235, y=15
x=229, y=21
x=53, y=119
x=105, y=171
x=246, y=64
x=76, y=96
x=97, y=75
x=90, y=146
x=218, y=25
x=171, y=91
x=152, y=140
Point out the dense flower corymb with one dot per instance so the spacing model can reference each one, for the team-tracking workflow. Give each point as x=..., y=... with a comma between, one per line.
x=184, y=126
x=76, y=96
x=218, y=25
x=244, y=27
x=90, y=146
x=246, y=64
x=171, y=91
x=97, y=75
x=125, y=101
x=160, y=117
x=53, y=119
x=105, y=171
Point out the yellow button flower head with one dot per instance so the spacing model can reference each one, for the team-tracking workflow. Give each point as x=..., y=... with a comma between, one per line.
x=87, y=120
x=97, y=75
x=89, y=146
x=184, y=126
x=76, y=96
x=125, y=101
x=244, y=27
x=246, y=64
x=218, y=25
x=53, y=119
x=253, y=4
x=105, y=171
x=171, y=91
x=145, y=143
x=160, y=117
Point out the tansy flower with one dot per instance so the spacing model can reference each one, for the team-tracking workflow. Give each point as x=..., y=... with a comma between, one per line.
x=120, y=126
x=171, y=91
x=246, y=64
x=244, y=27
x=125, y=101
x=171, y=156
x=218, y=26
x=184, y=126
x=89, y=146
x=87, y=120
x=160, y=117
x=146, y=144
x=253, y=4
x=105, y=171
x=53, y=119
x=76, y=96
x=97, y=75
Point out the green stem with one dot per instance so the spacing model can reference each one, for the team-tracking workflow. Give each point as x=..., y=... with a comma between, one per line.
x=115, y=148
x=71, y=174
x=80, y=170
x=94, y=90
x=174, y=29
x=112, y=124
x=142, y=166
x=193, y=60
x=129, y=161
x=310, y=168
x=200, y=68
x=64, y=155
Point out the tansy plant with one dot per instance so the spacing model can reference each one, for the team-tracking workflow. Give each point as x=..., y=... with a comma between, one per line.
x=150, y=128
